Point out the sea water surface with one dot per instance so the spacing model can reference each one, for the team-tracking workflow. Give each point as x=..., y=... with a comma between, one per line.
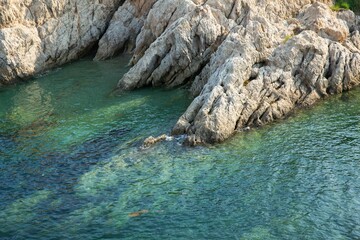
x=71, y=166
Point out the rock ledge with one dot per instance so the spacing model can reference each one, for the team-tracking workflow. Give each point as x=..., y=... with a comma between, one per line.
x=249, y=62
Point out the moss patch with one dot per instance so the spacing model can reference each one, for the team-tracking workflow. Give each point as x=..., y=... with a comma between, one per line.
x=347, y=4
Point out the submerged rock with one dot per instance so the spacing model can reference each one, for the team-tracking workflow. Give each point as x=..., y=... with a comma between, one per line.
x=138, y=213
x=249, y=62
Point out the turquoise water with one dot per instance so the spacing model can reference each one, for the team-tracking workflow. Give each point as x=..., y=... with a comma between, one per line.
x=71, y=166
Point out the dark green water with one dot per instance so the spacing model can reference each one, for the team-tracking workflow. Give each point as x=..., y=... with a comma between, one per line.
x=71, y=168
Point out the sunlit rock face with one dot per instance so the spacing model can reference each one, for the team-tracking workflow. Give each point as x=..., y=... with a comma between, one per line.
x=248, y=62
x=124, y=28
x=37, y=35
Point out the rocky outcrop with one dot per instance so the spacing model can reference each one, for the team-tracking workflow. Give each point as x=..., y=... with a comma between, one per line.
x=249, y=62
x=39, y=34
x=124, y=28
x=184, y=48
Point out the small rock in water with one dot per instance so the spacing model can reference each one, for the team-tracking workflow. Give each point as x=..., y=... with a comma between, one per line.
x=153, y=140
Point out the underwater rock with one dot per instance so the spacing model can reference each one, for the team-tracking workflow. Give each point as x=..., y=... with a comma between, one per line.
x=138, y=214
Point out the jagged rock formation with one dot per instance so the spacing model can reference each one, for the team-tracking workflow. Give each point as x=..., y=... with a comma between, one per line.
x=39, y=34
x=124, y=28
x=249, y=61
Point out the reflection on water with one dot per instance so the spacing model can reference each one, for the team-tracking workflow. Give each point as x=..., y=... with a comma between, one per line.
x=71, y=167
x=31, y=107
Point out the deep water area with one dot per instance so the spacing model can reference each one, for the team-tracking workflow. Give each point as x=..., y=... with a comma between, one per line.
x=71, y=166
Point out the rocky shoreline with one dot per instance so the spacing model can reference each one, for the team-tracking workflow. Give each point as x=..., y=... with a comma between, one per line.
x=248, y=62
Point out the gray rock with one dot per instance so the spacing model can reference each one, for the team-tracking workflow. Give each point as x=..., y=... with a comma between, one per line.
x=37, y=35
x=181, y=50
x=251, y=61
x=124, y=28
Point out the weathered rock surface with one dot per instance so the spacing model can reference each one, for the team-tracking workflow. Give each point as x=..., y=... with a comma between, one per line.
x=249, y=62
x=183, y=49
x=38, y=34
x=124, y=28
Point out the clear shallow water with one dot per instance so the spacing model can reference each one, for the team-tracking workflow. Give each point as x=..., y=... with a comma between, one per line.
x=71, y=168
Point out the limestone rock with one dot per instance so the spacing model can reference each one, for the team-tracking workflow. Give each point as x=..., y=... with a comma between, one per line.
x=160, y=17
x=318, y=18
x=124, y=28
x=37, y=35
x=247, y=62
x=180, y=51
x=250, y=62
